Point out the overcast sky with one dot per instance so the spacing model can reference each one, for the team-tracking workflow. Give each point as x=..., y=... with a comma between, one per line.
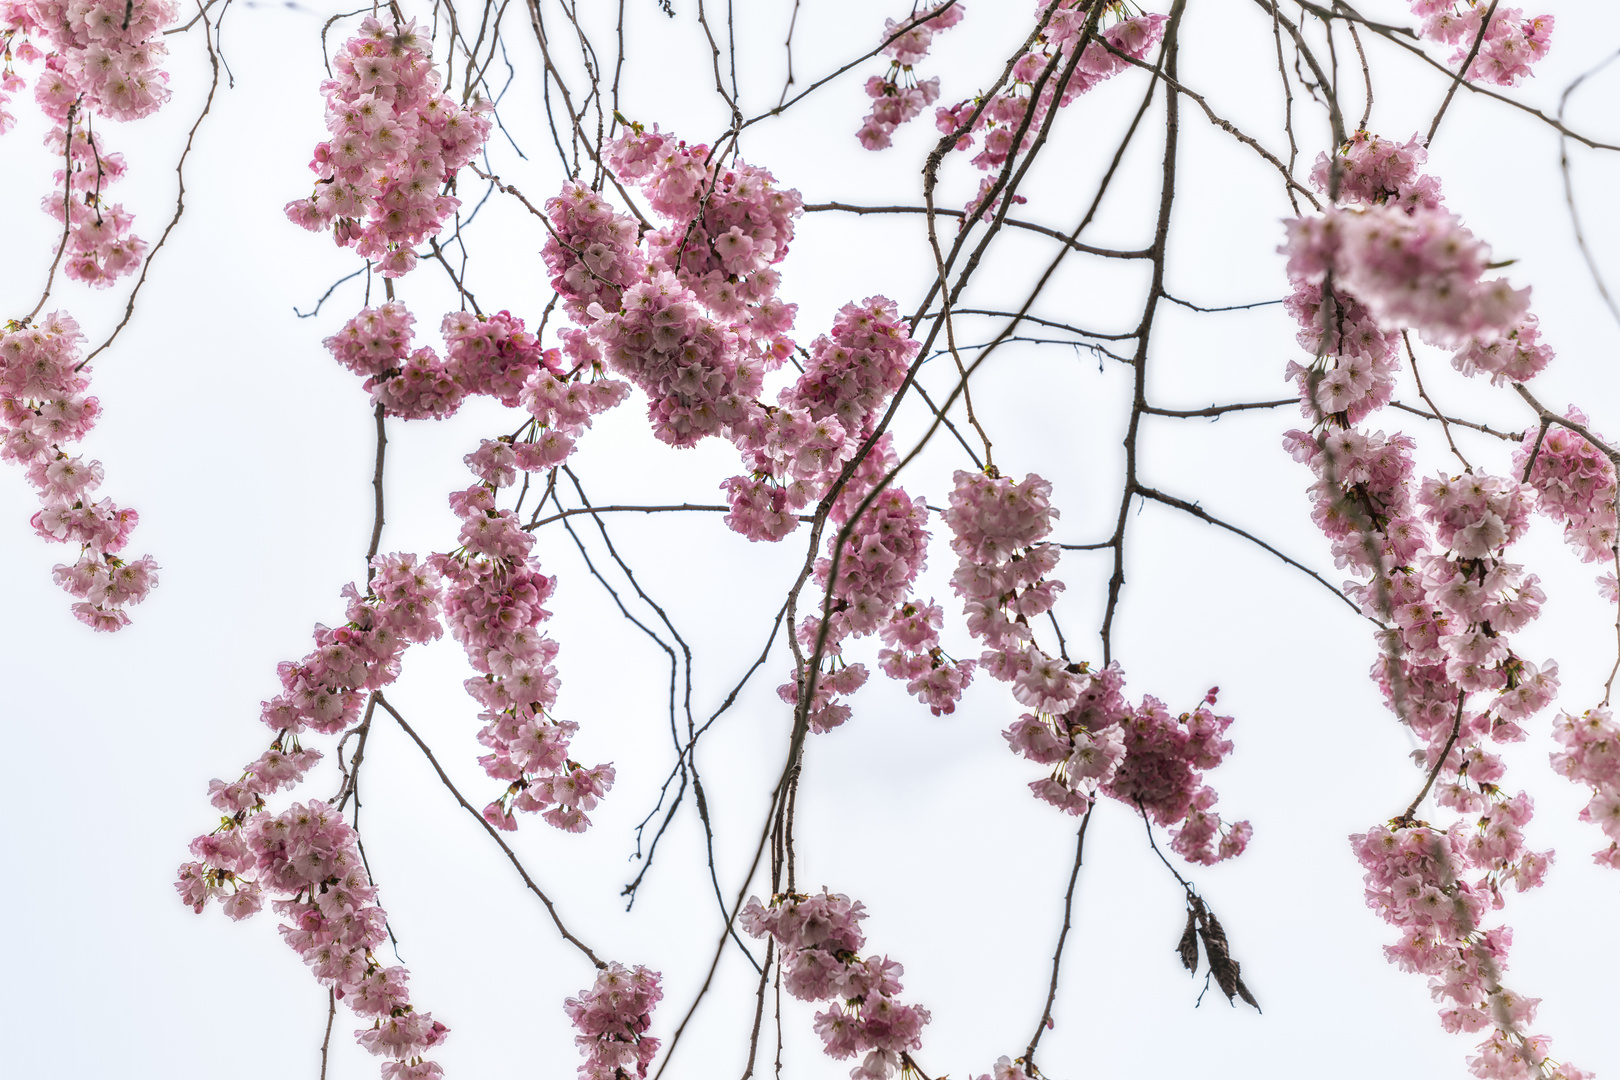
x=248, y=453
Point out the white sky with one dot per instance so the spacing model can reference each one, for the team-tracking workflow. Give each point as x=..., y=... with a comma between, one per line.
x=248, y=453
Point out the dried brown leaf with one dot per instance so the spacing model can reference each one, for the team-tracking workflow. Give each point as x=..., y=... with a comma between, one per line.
x=1188, y=946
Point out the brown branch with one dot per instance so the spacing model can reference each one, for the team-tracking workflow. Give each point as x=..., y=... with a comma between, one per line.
x=377, y=491
x=1445, y=426
x=1479, y=39
x=1509, y=436
x=1063, y=936
x=180, y=197
x=1107, y=253
x=331, y=1014
x=594, y=510
x=1456, y=727
x=494, y=835
x=1198, y=512
x=1218, y=410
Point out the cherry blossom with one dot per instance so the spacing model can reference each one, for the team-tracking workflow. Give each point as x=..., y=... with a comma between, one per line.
x=44, y=408
x=397, y=143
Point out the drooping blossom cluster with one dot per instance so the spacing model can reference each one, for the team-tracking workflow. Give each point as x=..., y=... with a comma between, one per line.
x=591, y=251
x=852, y=372
x=886, y=549
x=1026, y=107
x=819, y=940
x=1417, y=880
x=43, y=408
x=1574, y=483
x=100, y=60
x=899, y=95
x=797, y=450
x=1003, y=576
x=693, y=321
x=1591, y=756
x=563, y=402
x=612, y=1018
x=1396, y=258
x=1374, y=171
x=1430, y=559
x=412, y=384
x=1511, y=44
x=306, y=859
x=397, y=143
x=692, y=367
x=729, y=226
x=494, y=592
x=1417, y=267
x=486, y=354
x=324, y=693
x=1079, y=722
x=1142, y=756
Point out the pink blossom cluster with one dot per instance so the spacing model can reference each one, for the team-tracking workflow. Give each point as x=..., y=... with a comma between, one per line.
x=649, y=325
x=1043, y=66
x=44, y=407
x=100, y=246
x=729, y=226
x=852, y=372
x=1079, y=722
x=1142, y=756
x=1415, y=879
x=324, y=692
x=695, y=325
x=1574, y=483
x=1161, y=774
x=494, y=592
x=1591, y=755
x=1375, y=171
x=693, y=368
x=819, y=940
x=694, y=322
x=307, y=859
x=796, y=451
x=397, y=143
x=413, y=384
x=563, y=404
x=899, y=95
x=886, y=549
x=1420, y=268
x=1511, y=44
x=914, y=656
x=1517, y=355
x=1396, y=257
x=591, y=251
x=492, y=355
x=612, y=1017
x=1431, y=565
x=102, y=54
x=1356, y=360
x=1433, y=560
x=1002, y=574
x=100, y=58
x=1084, y=745
x=487, y=354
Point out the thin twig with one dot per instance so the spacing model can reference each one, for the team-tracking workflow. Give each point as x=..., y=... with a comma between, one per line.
x=551, y=908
